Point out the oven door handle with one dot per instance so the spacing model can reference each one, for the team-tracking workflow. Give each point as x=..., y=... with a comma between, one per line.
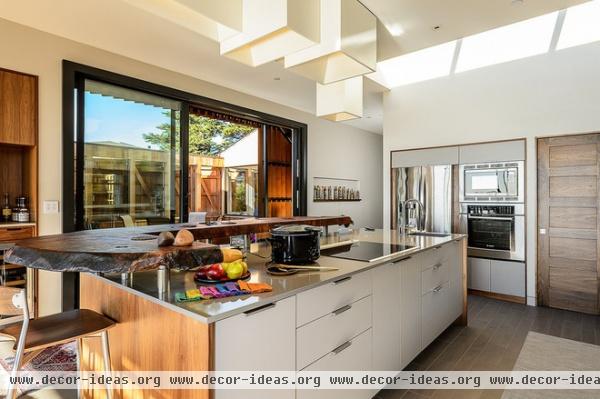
x=511, y=219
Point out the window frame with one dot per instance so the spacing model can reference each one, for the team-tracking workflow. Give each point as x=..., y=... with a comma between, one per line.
x=74, y=76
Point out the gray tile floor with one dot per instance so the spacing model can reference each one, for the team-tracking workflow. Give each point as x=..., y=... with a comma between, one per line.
x=492, y=341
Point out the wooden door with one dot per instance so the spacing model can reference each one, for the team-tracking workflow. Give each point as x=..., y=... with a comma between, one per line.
x=568, y=223
x=18, y=108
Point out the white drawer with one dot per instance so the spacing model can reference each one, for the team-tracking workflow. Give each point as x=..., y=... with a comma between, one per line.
x=316, y=339
x=434, y=276
x=352, y=355
x=322, y=300
x=435, y=308
x=437, y=255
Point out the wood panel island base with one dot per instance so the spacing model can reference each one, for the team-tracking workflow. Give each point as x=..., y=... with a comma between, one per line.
x=365, y=316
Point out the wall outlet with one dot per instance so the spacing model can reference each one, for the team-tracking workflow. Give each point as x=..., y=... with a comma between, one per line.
x=50, y=207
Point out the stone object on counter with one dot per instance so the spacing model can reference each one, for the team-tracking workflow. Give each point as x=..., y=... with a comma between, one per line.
x=165, y=239
x=184, y=238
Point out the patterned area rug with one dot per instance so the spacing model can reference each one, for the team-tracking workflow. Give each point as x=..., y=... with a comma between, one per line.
x=56, y=358
x=543, y=352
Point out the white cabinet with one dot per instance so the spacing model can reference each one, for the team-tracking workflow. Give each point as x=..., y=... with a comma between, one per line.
x=434, y=318
x=322, y=300
x=410, y=305
x=508, y=277
x=479, y=271
x=323, y=335
x=387, y=317
x=353, y=355
x=260, y=339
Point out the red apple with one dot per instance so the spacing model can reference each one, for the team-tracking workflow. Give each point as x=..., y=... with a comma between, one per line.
x=215, y=272
x=201, y=273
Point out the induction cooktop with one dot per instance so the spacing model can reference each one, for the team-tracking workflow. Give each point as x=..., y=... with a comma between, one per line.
x=365, y=251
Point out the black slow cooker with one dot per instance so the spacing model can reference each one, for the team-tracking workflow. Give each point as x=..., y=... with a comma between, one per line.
x=295, y=244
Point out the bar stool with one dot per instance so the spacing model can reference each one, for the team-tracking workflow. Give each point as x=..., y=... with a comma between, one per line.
x=33, y=336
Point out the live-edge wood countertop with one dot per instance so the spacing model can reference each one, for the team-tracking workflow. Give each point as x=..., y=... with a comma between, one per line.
x=134, y=249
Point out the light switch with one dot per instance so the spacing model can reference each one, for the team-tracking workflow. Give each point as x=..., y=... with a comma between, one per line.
x=50, y=207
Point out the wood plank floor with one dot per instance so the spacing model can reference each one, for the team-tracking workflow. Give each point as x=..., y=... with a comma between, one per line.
x=493, y=341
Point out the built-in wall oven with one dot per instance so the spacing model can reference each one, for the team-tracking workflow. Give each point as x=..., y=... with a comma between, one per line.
x=495, y=231
x=492, y=182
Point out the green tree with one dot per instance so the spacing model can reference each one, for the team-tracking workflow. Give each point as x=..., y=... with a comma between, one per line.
x=207, y=136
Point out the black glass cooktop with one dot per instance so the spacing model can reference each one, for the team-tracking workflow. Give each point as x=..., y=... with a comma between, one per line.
x=364, y=251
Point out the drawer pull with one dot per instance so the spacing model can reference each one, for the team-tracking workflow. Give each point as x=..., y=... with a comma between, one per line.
x=437, y=266
x=437, y=289
x=14, y=229
x=341, y=310
x=342, y=280
x=402, y=260
x=259, y=309
x=341, y=348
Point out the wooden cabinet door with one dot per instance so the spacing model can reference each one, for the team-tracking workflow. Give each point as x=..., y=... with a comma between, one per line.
x=387, y=321
x=18, y=108
x=568, y=222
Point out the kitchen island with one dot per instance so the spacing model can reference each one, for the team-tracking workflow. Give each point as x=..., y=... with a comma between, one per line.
x=365, y=316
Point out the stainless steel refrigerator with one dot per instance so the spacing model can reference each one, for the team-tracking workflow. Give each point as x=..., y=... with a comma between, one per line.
x=432, y=186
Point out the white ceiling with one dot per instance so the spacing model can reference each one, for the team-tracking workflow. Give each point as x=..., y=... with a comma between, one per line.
x=177, y=40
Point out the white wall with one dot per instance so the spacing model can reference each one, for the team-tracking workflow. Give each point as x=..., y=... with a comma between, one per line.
x=333, y=148
x=551, y=94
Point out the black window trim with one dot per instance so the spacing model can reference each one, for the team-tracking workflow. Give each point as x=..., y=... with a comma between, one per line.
x=73, y=76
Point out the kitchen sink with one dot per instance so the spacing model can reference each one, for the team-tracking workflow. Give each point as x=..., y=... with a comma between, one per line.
x=428, y=234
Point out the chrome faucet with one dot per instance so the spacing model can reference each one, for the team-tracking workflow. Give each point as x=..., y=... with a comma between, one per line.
x=404, y=214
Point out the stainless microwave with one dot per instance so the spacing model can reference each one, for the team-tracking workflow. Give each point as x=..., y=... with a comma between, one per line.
x=496, y=182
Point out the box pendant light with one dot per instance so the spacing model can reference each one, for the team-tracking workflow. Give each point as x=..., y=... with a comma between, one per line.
x=340, y=101
x=348, y=44
x=273, y=29
x=228, y=13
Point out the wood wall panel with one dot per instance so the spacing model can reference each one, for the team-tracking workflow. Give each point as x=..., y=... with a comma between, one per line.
x=573, y=186
x=582, y=218
x=147, y=337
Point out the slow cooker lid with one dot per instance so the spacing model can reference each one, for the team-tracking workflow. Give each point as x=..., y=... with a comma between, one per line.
x=294, y=229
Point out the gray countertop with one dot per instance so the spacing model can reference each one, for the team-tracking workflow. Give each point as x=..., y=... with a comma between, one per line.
x=209, y=311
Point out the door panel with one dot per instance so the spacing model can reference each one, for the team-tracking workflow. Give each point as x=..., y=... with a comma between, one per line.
x=574, y=218
x=573, y=248
x=572, y=155
x=568, y=222
x=573, y=186
x=573, y=289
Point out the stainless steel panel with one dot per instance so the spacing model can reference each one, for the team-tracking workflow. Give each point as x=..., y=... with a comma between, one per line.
x=432, y=186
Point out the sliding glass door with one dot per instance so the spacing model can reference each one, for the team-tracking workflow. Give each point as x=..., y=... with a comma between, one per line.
x=127, y=158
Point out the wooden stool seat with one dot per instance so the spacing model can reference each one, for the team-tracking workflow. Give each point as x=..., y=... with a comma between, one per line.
x=59, y=328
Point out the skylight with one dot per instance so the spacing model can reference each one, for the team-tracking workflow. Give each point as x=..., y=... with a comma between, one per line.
x=430, y=63
x=582, y=25
x=507, y=43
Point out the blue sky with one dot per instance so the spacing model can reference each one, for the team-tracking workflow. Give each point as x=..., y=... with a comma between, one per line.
x=109, y=119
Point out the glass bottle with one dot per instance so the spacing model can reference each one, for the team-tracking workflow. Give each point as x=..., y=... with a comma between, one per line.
x=6, y=209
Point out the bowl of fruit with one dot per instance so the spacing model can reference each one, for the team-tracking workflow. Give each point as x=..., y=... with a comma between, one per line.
x=232, y=268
